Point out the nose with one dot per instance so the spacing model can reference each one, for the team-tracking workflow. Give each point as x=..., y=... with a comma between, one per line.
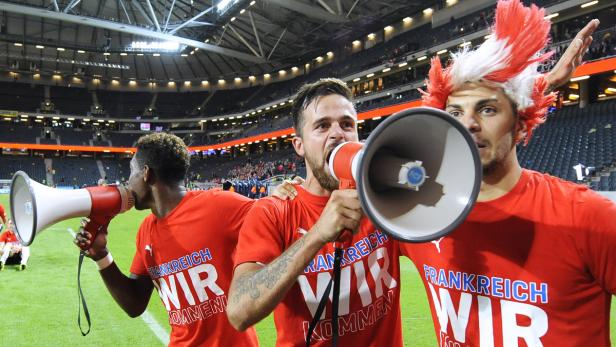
x=336, y=133
x=470, y=122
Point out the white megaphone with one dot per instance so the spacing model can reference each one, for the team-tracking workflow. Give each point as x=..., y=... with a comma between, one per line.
x=418, y=174
x=35, y=206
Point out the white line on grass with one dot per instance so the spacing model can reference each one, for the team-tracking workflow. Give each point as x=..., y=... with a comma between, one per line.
x=147, y=317
x=156, y=328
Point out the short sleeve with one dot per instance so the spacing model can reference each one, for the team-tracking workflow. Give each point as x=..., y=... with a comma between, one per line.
x=261, y=239
x=598, y=230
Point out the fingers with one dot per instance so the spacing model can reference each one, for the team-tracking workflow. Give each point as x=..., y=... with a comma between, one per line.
x=588, y=29
x=297, y=180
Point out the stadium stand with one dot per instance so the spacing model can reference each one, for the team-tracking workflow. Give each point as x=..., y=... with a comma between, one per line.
x=33, y=166
x=75, y=172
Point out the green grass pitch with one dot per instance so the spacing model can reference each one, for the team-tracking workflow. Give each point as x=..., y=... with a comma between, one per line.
x=39, y=306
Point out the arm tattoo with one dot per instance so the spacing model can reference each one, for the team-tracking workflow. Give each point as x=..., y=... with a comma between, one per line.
x=267, y=276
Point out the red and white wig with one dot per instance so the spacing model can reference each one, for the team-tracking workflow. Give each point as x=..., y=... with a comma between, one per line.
x=507, y=59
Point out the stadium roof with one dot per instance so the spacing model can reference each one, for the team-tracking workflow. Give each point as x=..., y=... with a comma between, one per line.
x=129, y=39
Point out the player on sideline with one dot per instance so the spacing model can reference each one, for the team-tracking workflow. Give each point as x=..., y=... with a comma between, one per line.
x=284, y=255
x=184, y=248
x=534, y=262
x=10, y=246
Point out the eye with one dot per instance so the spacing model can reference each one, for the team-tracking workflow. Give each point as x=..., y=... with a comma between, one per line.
x=455, y=113
x=348, y=125
x=322, y=126
x=488, y=111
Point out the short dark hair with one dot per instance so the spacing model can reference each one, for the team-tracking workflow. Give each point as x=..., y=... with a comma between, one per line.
x=311, y=91
x=227, y=185
x=166, y=154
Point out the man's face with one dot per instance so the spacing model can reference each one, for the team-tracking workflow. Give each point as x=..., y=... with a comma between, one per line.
x=328, y=121
x=138, y=185
x=488, y=114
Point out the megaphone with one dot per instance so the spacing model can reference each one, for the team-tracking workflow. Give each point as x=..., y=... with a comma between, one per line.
x=417, y=175
x=35, y=207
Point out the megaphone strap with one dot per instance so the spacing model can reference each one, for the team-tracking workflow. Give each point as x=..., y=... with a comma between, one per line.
x=82, y=299
x=335, y=296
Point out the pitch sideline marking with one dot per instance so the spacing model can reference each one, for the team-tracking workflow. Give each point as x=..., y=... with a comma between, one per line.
x=146, y=316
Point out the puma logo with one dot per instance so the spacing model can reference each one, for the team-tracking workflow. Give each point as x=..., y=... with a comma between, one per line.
x=302, y=231
x=148, y=248
x=437, y=243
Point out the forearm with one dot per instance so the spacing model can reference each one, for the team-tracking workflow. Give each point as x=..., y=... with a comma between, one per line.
x=254, y=294
x=131, y=294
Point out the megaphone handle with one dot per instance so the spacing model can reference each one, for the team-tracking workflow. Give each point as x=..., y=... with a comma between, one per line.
x=344, y=239
x=94, y=227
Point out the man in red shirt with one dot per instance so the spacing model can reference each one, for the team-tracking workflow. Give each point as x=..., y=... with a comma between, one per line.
x=10, y=247
x=534, y=262
x=284, y=255
x=184, y=248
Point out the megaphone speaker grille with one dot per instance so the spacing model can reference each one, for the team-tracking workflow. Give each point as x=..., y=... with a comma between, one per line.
x=435, y=142
x=23, y=208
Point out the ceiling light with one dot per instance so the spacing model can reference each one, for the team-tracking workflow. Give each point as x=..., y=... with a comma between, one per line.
x=371, y=36
x=588, y=4
x=580, y=78
x=39, y=46
x=422, y=58
x=184, y=55
x=123, y=54
x=356, y=79
x=18, y=44
x=403, y=64
x=60, y=49
x=387, y=69
x=428, y=11
x=407, y=20
x=550, y=16
x=356, y=43
x=106, y=53
x=156, y=54
x=369, y=75
x=388, y=28
x=441, y=51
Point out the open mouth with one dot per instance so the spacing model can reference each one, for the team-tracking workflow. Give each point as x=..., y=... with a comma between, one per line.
x=329, y=151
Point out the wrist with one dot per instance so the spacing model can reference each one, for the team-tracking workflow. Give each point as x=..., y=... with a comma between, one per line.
x=104, y=262
x=321, y=240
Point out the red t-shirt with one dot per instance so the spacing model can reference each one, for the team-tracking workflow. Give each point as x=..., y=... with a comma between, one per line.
x=189, y=257
x=369, y=307
x=8, y=236
x=535, y=267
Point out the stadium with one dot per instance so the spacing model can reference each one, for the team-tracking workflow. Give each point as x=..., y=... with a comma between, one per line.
x=82, y=80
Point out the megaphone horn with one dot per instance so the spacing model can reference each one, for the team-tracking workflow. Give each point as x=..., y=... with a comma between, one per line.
x=35, y=207
x=418, y=174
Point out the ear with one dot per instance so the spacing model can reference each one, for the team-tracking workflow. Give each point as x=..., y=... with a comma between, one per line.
x=148, y=175
x=520, y=131
x=298, y=144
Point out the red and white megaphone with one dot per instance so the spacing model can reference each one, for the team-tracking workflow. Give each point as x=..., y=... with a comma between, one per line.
x=418, y=174
x=35, y=206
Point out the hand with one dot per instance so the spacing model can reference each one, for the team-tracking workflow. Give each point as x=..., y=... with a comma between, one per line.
x=286, y=190
x=572, y=58
x=343, y=211
x=97, y=248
